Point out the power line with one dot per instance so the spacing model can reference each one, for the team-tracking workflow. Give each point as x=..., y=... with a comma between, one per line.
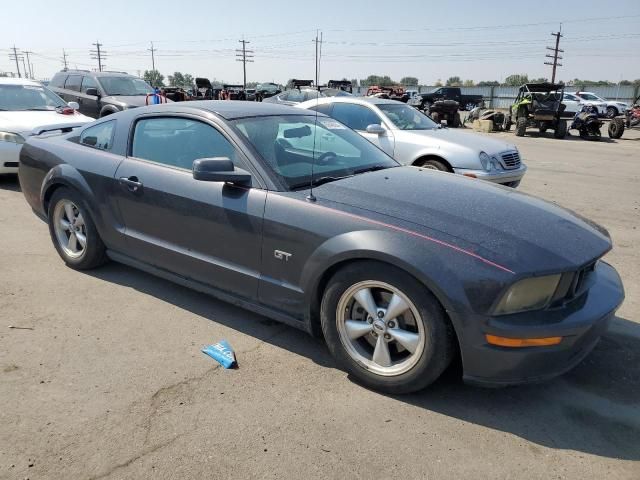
x=98, y=54
x=555, y=55
x=15, y=56
x=246, y=56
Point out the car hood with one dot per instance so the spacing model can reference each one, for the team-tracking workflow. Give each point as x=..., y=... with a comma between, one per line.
x=454, y=139
x=24, y=122
x=523, y=233
x=129, y=100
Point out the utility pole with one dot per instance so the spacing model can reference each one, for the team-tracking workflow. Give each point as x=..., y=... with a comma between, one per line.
x=24, y=67
x=26, y=52
x=98, y=54
x=318, y=43
x=64, y=59
x=14, y=56
x=555, y=55
x=245, y=57
x=153, y=58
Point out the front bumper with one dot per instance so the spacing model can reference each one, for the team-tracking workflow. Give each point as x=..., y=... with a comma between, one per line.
x=581, y=323
x=503, y=177
x=9, y=157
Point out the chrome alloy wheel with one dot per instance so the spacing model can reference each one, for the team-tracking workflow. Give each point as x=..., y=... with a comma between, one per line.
x=380, y=328
x=70, y=229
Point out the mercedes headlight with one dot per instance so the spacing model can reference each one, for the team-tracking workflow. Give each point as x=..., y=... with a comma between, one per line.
x=529, y=294
x=485, y=160
x=11, y=137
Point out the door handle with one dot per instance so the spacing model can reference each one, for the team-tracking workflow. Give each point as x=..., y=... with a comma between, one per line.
x=132, y=184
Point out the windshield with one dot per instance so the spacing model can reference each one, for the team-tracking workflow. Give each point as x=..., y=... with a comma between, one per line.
x=125, y=86
x=589, y=96
x=290, y=144
x=28, y=97
x=405, y=117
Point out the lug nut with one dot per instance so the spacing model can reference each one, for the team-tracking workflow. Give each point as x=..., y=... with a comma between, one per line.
x=391, y=324
x=374, y=334
x=387, y=336
x=380, y=314
x=369, y=320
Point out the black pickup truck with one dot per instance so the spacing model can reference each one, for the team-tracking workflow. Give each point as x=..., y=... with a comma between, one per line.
x=423, y=101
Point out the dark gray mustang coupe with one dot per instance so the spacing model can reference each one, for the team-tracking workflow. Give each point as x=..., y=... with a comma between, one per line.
x=399, y=268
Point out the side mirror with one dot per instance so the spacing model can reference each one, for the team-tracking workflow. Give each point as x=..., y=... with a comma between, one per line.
x=376, y=129
x=74, y=105
x=93, y=92
x=220, y=169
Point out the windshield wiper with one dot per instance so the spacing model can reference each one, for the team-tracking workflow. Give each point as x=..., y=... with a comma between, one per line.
x=40, y=109
x=371, y=169
x=319, y=181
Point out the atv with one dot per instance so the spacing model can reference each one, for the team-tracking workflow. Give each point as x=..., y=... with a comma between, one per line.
x=631, y=119
x=445, y=110
x=482, y=113
x=538, y=105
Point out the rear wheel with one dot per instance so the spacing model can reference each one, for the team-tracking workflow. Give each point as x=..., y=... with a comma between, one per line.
x=521, y=126
x=73, y=232
x=612, y=112
x=435, y=117
x=469, y=106
x=561, y=129
x=506, y=124
x=434, y=165
x=456, y=120
x=385, y=328
x=616, y=128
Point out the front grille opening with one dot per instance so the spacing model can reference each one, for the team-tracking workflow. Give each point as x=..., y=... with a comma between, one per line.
x=572, y=285
x=510, y=160
x=11, y=164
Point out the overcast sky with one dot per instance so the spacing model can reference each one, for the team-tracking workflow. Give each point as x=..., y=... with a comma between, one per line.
x=429, y=40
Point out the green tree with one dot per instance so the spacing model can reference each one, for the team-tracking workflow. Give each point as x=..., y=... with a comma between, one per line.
x=153, y=78
x=516, y=80
x=381, y=80
x=409, y=81
x=489, y=83
x=468, y=83
x=539, y=80
x=354, y=82
x=454, y=82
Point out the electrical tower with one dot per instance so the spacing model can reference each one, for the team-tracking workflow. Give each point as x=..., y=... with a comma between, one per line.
x=555, y=55
x=64, y=59
x=246, y=56
x=153, y=58
x=98, y=54
x=15, y=56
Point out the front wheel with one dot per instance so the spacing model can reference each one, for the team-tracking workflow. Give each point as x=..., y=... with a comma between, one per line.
x=469, y=106
x=561, y=129
x=385, y=328
x=616, y=128
x=521, y=127
x=73, y=232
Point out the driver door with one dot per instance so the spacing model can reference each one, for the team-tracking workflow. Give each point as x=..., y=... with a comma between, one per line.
x=358, y=118
x=210, y=232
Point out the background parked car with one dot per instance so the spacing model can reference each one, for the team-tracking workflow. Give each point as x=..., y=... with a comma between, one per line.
x=613, y=107
x=25, y=106
x=101, y=93
x=574, y=104
x=295, y=95
x=423, y=101
x=412, y=138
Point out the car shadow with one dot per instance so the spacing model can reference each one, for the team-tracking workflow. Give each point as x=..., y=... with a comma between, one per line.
x=594, y=409
x=10, y=182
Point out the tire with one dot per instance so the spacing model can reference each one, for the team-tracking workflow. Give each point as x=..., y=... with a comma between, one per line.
x=521, y=126
x=506, y=126
x=469, y=106
x=422, y=324
x=616, y=128
x=561, y=129
x=456, y=120
x=435, y=165
x=543, y=127
x=435, y=117
x=426, y=106
x=612, y=112
x=89, y=253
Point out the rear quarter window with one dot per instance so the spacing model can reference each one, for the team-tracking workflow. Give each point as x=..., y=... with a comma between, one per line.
x=58, y=80
x=73, y=82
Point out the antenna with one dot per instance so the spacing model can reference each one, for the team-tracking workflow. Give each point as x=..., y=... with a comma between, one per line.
x=311, y=197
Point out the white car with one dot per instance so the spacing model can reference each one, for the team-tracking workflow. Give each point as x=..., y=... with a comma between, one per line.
x=613, y=108
x=574, y=104
x=26, y=108
x=412, y=138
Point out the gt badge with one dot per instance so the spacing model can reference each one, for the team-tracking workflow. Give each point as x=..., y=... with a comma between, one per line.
x=280, y=255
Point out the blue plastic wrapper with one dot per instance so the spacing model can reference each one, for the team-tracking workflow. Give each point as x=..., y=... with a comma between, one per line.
x=222, y=353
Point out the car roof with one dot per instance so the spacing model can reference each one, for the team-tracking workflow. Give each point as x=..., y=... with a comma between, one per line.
x=351, y=99
x=19, y=81
x=229, y=109
x=95, y=74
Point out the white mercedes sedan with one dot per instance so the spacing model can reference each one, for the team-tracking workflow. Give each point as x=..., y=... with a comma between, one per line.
x=412, y=138
x=26, y=108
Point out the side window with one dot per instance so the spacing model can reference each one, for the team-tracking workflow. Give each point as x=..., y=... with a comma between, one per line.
x=357, y=117
x=323, y=108
x=88, y=82
x=58, y=80
x=177, y=142
x=295, y=96
x=73, y=82
x=438, y=92
x=99, y=136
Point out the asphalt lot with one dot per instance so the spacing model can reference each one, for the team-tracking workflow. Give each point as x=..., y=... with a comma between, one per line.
x=109, y=381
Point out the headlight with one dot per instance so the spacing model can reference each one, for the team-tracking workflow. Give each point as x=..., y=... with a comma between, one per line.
x=11, y=137
x=528, y=294
x=485, y=160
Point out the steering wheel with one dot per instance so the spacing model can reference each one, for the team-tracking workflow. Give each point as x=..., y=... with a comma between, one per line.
x=324, y=158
